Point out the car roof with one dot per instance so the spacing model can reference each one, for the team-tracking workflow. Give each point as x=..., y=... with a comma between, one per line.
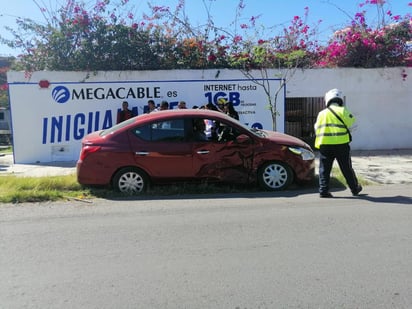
x=176, y=113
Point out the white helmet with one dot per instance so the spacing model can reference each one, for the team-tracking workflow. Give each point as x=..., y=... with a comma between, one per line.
x=333, y=94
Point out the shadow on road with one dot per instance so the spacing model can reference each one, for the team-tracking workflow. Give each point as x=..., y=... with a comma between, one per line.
x=229, y=195
x=398, y=199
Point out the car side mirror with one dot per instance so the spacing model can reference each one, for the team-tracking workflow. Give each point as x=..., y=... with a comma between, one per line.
x=243, y=139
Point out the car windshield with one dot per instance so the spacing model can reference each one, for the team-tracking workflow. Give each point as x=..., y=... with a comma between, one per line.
x=255, y=131
x=258, y=132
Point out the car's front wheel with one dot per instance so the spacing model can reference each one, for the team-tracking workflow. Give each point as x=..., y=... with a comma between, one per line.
x=275, y=176
x=130, y=180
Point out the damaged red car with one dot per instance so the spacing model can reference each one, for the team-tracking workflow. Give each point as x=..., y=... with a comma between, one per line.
x=191, y=145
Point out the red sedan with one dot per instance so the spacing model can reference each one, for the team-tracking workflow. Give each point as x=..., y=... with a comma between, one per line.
x=191, y=145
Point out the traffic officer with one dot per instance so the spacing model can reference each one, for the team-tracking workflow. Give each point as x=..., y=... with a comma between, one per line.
x=332, y=139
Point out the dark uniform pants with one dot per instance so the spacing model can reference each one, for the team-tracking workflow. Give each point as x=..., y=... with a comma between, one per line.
x=328, y=153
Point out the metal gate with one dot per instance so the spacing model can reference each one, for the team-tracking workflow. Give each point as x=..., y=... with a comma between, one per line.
x=300, y=117
x=5, y=131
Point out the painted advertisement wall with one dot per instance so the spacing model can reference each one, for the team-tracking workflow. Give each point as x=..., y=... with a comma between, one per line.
x=53, y=111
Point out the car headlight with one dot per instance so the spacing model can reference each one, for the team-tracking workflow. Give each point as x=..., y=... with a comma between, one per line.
x=304, y=153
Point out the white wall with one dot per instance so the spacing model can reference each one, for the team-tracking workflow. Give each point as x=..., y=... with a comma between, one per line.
x=380, y=99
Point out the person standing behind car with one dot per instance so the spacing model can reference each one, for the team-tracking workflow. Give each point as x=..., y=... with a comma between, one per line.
x=211, y=129
x=332, y=139
x=151, y=106
x=164, y=105
x=229, y=109
x=125, y=113
x=181, y=105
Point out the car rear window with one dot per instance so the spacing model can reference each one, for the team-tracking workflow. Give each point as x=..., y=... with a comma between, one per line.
x=116, y=127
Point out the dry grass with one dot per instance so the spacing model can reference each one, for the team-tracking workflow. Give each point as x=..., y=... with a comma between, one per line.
x=15, y=189
x=36, y=189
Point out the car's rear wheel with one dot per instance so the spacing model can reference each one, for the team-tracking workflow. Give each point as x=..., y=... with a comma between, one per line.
x=130, y=180
x=275, y=176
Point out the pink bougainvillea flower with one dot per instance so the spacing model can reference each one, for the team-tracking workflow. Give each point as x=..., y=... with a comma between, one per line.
x=378, y=2
x=211, y=58
x=237, y=39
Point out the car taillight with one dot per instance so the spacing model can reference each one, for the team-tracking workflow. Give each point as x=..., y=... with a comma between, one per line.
x=86, y=150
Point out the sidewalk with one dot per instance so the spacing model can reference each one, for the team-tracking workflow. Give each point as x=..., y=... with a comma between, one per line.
x=384, y=166
x=7, y=167
x=379, y=166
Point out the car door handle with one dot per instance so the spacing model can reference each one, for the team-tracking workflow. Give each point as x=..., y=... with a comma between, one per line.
x=203, y=151
x=142, y=153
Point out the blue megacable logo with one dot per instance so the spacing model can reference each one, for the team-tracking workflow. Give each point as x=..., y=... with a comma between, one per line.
x=61, y=94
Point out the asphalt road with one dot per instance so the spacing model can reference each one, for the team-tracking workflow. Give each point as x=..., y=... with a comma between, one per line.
x=263, y=250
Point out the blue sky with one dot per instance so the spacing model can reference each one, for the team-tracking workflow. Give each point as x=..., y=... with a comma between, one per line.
x=333, y=13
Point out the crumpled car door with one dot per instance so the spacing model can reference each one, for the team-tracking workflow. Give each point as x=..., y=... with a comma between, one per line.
x=227, y=161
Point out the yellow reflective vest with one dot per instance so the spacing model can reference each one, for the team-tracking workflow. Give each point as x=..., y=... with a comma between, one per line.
x=329, y=130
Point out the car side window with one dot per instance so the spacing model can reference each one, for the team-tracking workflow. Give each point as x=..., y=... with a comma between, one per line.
x=199, y=130
x=170, y=130
x=227, y=133
x=143, y=132
x=211, y=129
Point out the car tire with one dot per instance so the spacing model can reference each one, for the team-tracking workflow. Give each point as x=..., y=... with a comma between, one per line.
x=130, y=180
x=275, y=176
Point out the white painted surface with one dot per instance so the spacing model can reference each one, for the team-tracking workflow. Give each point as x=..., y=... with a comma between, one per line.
x=380, y=99
x=49, y=122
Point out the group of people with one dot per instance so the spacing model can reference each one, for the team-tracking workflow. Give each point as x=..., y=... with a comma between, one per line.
x=164, y=105
x=223, y=106
x=126, y=113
